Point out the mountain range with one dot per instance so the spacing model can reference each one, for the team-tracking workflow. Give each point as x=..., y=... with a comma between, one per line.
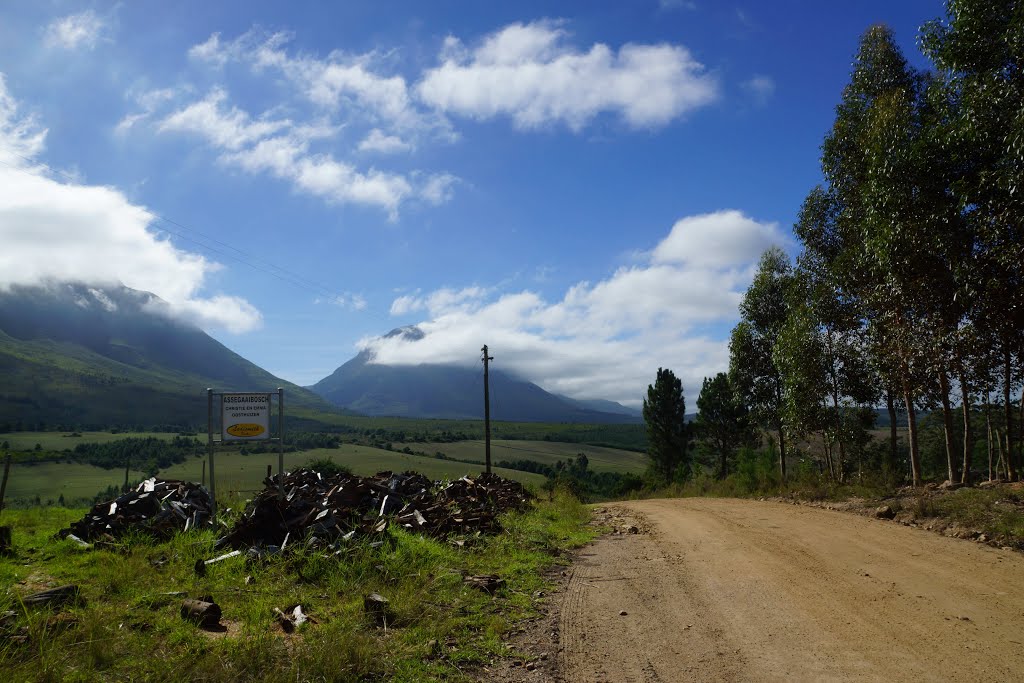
x=80, y=355
x=446, y=391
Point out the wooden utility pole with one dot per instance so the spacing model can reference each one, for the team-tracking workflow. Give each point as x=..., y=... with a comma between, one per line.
x=487, y=412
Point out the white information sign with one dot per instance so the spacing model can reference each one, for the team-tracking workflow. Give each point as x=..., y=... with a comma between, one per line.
x=245, y=417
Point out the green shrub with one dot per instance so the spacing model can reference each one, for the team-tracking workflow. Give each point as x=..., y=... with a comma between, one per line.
x=327, y=467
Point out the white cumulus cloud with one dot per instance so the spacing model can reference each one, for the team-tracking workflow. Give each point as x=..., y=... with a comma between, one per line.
x=378, y=141
x=223, y=125
x=604, y=339
x=74, y=31
x=54, y=231
x=715, y=239
x=531, y=73
x=353, y=86
x=284, y=150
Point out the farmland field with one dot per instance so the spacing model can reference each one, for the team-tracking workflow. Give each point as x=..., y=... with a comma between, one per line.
x=600, y=459
x=245, y=473
x=50, y=480
x=58, y=441
x=235, y=472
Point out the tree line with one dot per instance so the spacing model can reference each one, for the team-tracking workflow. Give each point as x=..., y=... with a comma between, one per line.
x=908, y=288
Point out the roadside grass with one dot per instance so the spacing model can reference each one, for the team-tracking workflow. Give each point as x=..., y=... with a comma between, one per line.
x=993, y=510
x=997, y=512
x=129, y=628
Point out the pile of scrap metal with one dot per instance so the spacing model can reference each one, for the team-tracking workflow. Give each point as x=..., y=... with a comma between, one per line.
x=323, y=510
x=157, y=507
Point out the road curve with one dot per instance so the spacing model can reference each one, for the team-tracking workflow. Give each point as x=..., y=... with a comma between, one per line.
x=738, y=590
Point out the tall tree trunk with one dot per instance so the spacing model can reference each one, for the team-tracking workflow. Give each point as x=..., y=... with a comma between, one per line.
x=965, y=397
x=778, y=427
x=782, y=453
x=890, y=404
x=841, y=465
x=947, y=424
x=915, y=461
x=827, y=451
x=988, y=425
x=1019, y=459
x=1011, y=471
x=1000, y=460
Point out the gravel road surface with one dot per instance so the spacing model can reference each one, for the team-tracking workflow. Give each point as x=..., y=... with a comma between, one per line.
x=736, y=590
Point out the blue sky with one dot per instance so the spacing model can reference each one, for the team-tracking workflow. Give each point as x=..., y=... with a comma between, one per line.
x=585, y=187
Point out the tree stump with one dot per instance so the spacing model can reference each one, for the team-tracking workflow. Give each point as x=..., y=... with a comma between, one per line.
x=6, y=545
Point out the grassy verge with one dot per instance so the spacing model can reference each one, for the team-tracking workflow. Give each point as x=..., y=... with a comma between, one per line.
x=130, y=629
x=990, y=513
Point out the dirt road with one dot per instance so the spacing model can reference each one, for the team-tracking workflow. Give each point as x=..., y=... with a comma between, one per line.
x=730, y=590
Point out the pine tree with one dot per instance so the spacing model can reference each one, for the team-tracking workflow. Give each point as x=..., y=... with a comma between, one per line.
x=722, y=423
x=665, y=415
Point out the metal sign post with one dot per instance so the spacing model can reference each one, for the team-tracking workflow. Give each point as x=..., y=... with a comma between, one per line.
x=280, y=442
x=245, y=417
x=209, y=424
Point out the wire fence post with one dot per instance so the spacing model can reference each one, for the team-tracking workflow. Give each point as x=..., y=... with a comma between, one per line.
x=209, y=436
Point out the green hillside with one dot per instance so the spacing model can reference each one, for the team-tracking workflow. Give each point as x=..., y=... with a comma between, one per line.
x=68, y=360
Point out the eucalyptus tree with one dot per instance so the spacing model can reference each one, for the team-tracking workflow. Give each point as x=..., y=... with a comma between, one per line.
x=752, y=368
x=824, y=354
x=827, y=379
x=799, y=356
x=885, y=227
x=979, y=53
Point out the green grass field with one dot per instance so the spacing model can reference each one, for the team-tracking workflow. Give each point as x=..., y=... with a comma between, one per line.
x=548, y=452
x=58, y=441
x=50, y=480
x=245, y=473
x=619, y=435
x=235, y=472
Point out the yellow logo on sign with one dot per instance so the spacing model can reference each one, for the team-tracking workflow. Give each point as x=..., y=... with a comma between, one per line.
x=245, y=429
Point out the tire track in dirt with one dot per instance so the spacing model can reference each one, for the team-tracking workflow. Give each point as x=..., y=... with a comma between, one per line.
x=617, y=625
